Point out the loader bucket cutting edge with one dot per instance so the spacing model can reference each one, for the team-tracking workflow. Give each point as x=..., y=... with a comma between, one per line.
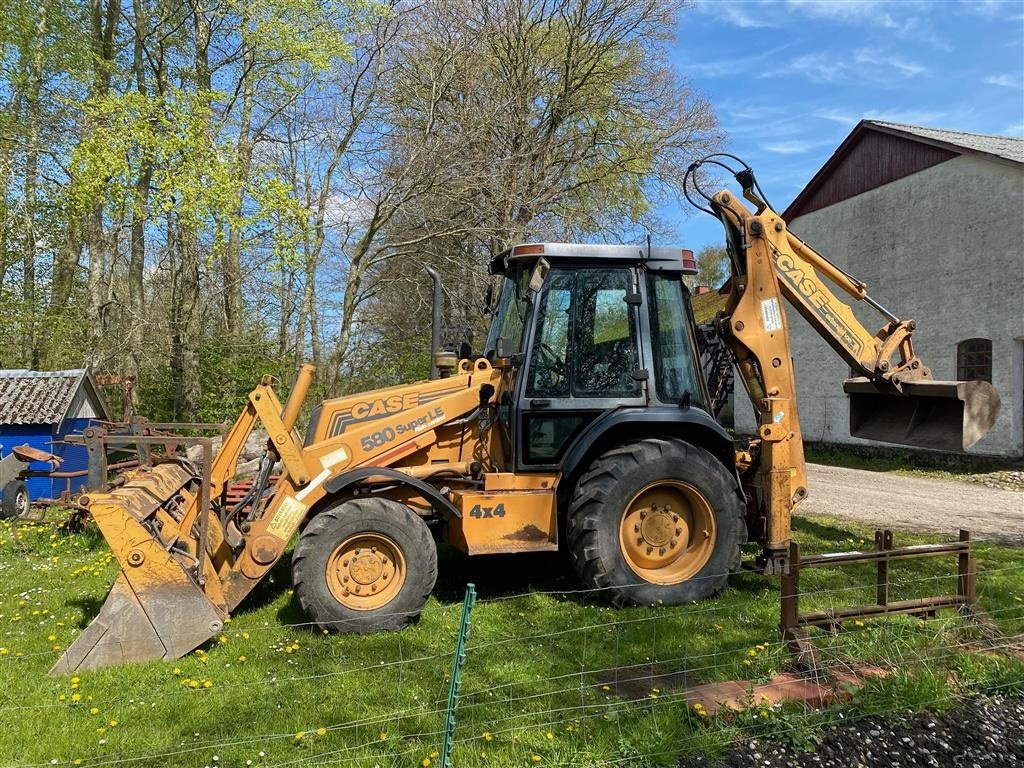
x=941, y=415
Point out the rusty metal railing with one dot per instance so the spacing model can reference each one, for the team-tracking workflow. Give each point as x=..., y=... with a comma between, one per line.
x=793, y=624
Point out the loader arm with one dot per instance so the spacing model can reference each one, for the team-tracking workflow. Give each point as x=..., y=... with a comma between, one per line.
x=893, y=397
x=188, y=557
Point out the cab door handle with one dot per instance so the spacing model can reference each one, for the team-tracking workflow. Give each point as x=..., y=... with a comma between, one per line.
x=540, y=403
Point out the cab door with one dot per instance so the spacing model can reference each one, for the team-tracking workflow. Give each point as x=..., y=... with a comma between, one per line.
x=584, y=358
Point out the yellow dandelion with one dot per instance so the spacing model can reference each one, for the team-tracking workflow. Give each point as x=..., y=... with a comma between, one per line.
x=94, y=710
x=383, y=736
x=101, y=730
x=606, y=687
x=549, y=736
x=487, y=736
x=113, y=723
x=176, y=671
x=207, y=683
x=858, y=622
x=746, y=662
x=751, y=652
x=241, y=658
x=51, y=638
x=536, y=758
x=425, y=762
x=76, y=697
x=321, y=731
x=300, y=735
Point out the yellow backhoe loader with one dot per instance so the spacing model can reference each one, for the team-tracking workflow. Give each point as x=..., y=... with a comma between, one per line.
x=582, y=424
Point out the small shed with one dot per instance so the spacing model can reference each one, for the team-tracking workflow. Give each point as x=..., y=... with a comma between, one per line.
x=40, y=408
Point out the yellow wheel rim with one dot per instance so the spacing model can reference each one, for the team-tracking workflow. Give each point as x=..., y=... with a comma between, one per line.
x=667, y=533
x=366, y=572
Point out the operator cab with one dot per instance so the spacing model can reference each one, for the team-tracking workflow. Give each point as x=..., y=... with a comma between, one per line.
x=587, y=329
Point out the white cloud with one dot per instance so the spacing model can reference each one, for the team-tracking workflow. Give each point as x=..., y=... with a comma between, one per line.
x=794, y=146
x=906, y=116
x=862, y=65
x=907, y=20
x=1005, y=81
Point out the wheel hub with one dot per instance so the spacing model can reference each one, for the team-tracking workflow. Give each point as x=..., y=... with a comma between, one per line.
x=366, y=572
x=657, y=528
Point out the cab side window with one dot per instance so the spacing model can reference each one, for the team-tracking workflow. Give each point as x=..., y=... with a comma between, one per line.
x=605, y=334
x=585, y=344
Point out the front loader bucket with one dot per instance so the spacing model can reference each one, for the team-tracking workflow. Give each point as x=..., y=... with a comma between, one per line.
x=941, y=415
x=156, y=608
x=165, y=622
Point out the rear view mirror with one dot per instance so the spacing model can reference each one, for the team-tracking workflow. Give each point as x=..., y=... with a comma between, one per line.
x=488, y=299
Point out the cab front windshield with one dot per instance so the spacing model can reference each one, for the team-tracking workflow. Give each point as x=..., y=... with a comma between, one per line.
x=509, y=317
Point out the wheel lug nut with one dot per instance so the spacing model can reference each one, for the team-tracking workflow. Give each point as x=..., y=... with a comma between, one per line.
x=344, y=563
x=356, y=552
x=661, y=550
x=707, y=533
x=373, y=588
x=675, y=518
x=345, y=579
x=636, y=528
x=673, y=543
x=650, y=549
x=643, y=514
x=373, y=550
x=358, y=589
x=639, y=539
x=678, y=531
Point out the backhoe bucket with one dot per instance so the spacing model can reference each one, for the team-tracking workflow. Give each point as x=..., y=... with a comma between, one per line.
x=941, y=415
x=156, y=608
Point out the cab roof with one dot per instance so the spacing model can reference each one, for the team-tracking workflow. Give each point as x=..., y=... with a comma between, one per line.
x=661, y=258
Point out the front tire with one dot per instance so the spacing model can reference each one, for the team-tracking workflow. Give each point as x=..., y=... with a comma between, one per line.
x=656, y=521
x=365, y=565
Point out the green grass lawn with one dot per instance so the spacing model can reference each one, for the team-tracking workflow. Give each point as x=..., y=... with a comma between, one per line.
x=551, y=678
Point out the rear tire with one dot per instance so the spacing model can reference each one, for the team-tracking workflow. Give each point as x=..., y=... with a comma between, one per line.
x=16, y=501
x=365, y=565
x=656, y=521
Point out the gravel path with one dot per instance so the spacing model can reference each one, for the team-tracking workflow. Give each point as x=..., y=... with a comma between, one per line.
x=980, y=733
x=914, y=503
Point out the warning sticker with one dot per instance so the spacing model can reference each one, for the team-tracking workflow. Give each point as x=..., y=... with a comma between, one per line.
x=771, y=316
x=287, y=518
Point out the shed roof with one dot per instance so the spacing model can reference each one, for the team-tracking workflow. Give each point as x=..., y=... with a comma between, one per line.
x=1006, y=147
x=44, y=397
x=878, y=152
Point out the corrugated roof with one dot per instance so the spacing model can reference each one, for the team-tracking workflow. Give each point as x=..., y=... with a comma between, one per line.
x=37, y=397
x=1006, y=147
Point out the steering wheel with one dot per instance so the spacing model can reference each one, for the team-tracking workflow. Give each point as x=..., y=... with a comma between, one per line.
x=550, y=368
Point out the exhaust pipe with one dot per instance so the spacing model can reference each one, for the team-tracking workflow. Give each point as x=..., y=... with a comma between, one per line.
x=940, y=415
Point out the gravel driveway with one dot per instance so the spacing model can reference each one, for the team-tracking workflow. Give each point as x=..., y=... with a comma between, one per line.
x=914, y=503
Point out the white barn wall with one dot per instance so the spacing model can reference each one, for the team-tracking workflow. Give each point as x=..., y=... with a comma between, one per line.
x=943, y=246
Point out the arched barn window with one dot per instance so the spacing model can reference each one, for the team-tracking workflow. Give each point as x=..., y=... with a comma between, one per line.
x=974, y=360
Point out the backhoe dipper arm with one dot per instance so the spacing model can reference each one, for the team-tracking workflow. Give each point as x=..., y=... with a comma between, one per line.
x=886, y=357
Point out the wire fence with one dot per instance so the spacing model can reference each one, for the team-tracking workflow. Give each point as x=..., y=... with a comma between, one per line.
x=552, y=677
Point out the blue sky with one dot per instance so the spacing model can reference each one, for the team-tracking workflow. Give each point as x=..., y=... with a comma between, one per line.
x=790, y=79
